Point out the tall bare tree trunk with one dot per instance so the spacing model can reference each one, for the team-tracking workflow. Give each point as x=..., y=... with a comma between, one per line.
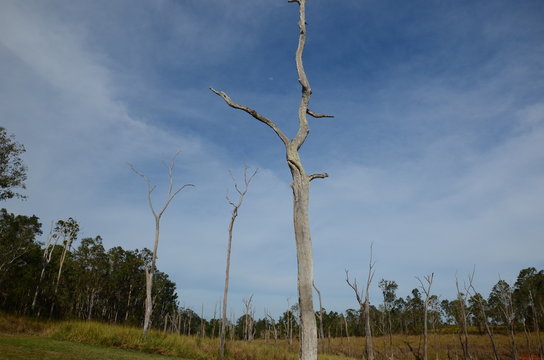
x=427, y=290
x=150, y=270
x=301, y=189
x=235, y=207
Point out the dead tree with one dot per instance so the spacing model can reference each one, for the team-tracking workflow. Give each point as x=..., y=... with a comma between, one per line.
x=235, y=207
x=273, y=326
x=321, y=333
x=479, y=300
x=248, y=319
x=426, y=288
x=462, y=321
x=301, y=190
x=365, y=306
x=150, y=270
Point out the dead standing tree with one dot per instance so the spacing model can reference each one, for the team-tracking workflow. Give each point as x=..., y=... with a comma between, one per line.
x=365, y=306
x=150, y=270
x=321, y=333
x=480, y=308
x=426, y=288
x=301, y=190
x=462, y=321
x=235, y=207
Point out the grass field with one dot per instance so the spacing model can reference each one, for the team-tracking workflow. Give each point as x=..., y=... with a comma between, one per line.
x=22, y=338
x=44, y=348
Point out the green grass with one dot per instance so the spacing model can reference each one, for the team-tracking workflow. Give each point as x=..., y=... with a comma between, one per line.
x=42, y=348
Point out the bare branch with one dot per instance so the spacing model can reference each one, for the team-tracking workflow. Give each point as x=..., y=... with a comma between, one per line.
x=317, y=115
x=355, y=288
x=150, y=188
x=318, y=176
x=253, y=113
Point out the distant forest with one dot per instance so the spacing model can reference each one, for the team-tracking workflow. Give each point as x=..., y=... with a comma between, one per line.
x=57, y=280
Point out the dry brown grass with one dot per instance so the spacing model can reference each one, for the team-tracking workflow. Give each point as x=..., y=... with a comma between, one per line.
x=444, y=346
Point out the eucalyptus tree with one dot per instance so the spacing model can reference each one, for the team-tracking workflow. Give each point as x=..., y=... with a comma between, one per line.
x=301, y=190
x=67, y=230
x=17, y=234
x=389, y=289
x=157, y=214
x=501, y=299
x=12, y=169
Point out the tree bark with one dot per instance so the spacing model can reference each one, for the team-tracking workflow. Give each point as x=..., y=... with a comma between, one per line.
x=301, y=188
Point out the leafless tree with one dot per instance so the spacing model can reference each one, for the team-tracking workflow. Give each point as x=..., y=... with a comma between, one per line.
x=150, y=270
x=249, y=314
x=272, y=326
x=321, y=333
x=301, y=189
x=426, y=288
x=481, y=309
x=365, y=305
x=235, y=207
x=462, y=321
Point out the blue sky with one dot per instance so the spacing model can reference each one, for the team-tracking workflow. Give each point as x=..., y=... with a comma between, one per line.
x=435, y=154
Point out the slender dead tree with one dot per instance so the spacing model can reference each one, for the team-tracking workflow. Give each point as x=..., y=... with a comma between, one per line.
x=272, y=326
x=426, y=288
x=301, y=190
x=150, y=270
x=235, y=207
x=321, y=333
x=249, y=313
x=479, y=300
x=462, y=321
x=365, y=305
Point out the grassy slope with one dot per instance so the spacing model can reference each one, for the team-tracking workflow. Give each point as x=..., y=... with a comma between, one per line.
x=41, y=348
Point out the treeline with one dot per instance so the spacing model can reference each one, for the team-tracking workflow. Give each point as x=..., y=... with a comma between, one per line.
x=59, y=280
